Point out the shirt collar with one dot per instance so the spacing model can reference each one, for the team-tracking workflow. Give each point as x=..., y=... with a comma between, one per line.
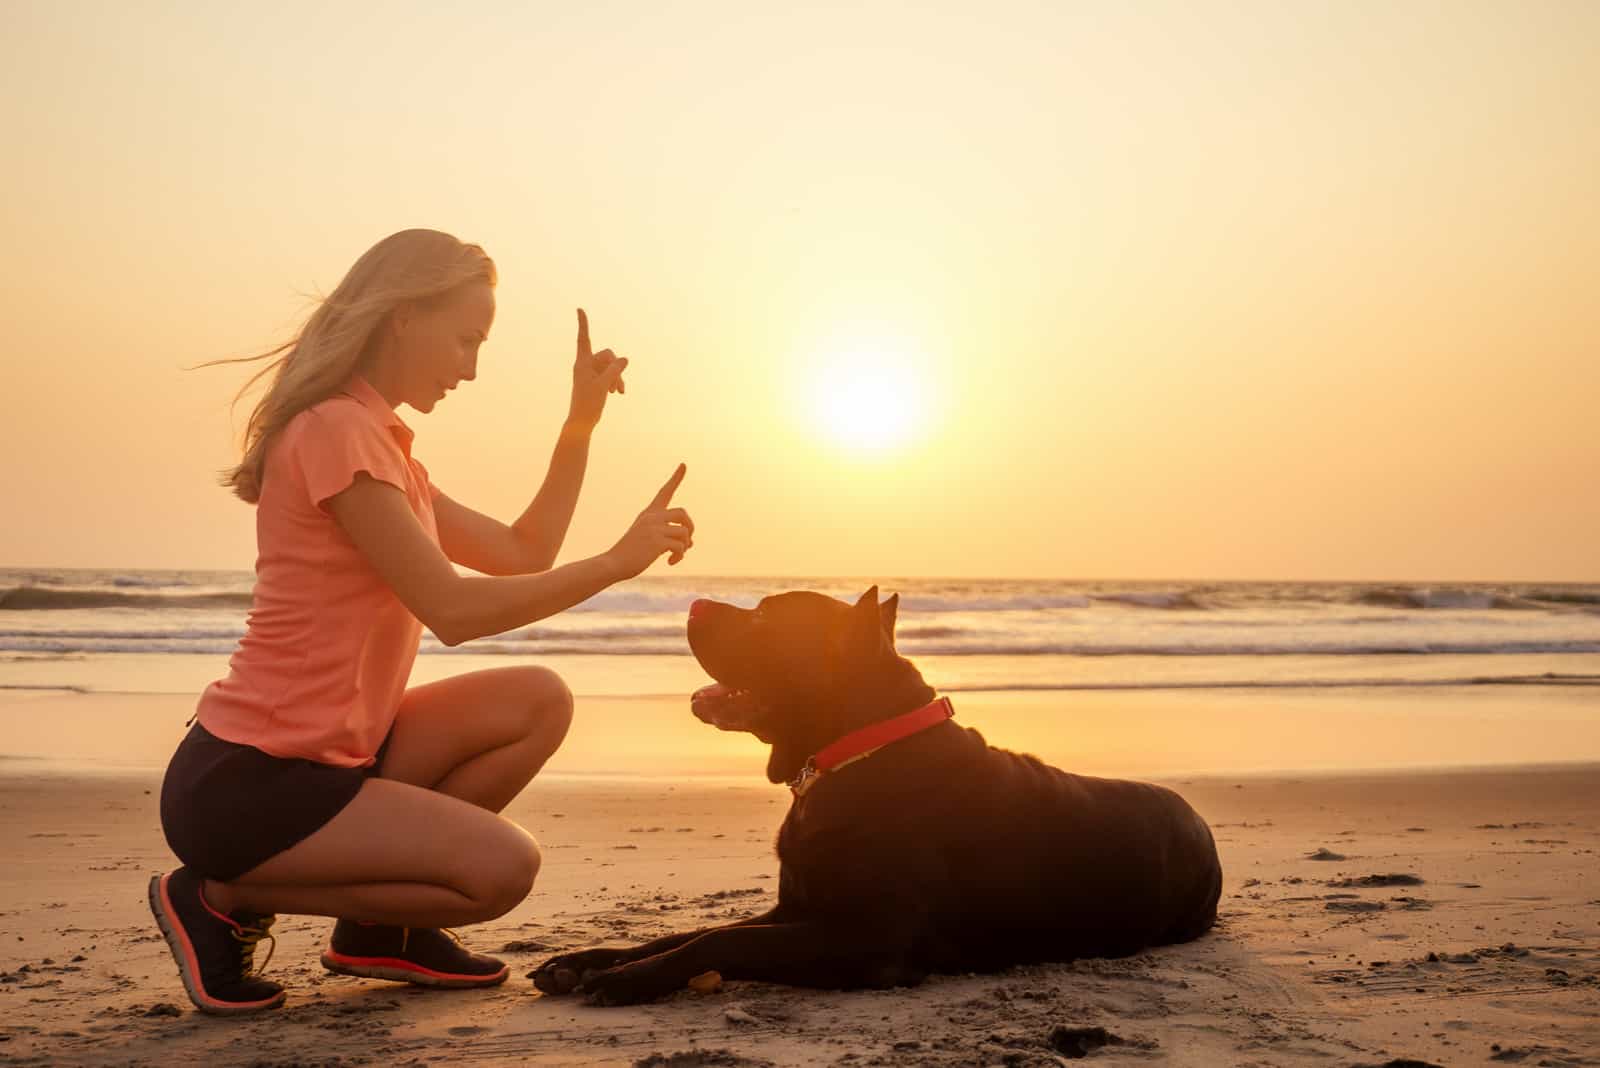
x=364, y=391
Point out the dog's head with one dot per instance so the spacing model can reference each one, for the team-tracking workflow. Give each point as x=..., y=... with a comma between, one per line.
x=800, y=670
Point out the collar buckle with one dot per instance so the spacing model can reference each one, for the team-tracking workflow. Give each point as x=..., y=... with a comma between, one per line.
x=804, y=778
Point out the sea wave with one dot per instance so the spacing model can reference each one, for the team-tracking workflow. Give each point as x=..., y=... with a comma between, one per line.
x=57, y=598
x=180, y=634
x=670, y=599
x=1578, y=597
x=677, y=602
x=1441, y=598
x=932, y=630
x=146, y=581
x=1002, y=685
x=53, y=687
x=583, y=645
x=1171, y=600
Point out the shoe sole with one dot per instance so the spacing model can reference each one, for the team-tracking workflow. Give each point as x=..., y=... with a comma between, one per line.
x=403, y=971
x=189, y=965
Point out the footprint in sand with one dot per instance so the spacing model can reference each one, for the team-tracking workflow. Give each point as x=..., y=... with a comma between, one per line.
x=1391, y=879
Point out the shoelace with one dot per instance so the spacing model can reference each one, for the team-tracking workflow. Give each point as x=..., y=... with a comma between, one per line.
x=248, y=935
x=405, y=938
x=405, y=934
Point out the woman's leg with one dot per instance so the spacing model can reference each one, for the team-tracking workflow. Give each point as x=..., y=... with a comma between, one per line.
x=481, y=736
x=395, y=854
x=420, y=845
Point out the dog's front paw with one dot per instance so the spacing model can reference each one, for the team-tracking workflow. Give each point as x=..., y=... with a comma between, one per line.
x=629, y=984
x=563, y=974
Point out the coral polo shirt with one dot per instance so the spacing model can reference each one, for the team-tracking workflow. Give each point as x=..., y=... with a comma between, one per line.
x=328, y=648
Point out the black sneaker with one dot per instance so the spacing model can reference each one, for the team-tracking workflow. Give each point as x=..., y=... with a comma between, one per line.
x=215, y=952
x=428, y=956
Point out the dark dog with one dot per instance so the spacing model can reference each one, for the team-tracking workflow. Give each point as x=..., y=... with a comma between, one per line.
x=912, y=846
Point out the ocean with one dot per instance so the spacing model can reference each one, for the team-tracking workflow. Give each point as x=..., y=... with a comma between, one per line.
x=172, y=631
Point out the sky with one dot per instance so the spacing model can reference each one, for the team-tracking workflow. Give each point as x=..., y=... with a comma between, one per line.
x=1144, y=291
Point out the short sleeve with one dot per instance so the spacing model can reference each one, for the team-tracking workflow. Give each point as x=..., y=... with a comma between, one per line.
x=427, y=479
x=336, y=443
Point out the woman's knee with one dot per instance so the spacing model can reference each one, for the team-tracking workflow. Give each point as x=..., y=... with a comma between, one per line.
x=508, y=878
x=548, y=705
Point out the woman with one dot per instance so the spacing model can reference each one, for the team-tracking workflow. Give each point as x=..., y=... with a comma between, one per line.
x=314, y=781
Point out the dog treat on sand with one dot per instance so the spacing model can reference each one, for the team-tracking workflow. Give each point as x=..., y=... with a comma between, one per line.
x=706, y=983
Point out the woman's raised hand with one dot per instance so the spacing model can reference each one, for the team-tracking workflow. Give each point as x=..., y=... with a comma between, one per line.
x=594, y=376
x=659, y=529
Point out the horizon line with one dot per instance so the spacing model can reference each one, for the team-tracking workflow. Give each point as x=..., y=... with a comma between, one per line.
x=871, y=580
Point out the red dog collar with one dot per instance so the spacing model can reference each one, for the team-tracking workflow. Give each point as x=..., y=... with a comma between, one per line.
x=858, y=745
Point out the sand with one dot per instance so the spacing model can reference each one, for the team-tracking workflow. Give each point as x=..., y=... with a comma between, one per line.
x=1446, y=916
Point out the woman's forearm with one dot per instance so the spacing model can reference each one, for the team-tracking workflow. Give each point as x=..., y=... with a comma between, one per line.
x=474, y=606
x=542, y=527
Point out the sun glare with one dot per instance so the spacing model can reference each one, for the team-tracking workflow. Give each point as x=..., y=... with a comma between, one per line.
x=869, y=399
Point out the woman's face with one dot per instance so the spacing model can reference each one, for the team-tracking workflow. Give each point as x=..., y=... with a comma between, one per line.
x=438, y=344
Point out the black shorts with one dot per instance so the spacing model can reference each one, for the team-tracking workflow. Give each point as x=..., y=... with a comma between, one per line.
x=227, y=807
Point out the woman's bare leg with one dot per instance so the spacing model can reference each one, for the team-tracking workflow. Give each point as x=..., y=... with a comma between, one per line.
x=396, y=854
x=480, y=737
x=420, y=845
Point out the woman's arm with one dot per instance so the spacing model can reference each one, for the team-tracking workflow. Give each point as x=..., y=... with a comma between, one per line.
x=482, y=542
x=543, y=525
x=457, y=608
x=532, y=542
x=485, y=544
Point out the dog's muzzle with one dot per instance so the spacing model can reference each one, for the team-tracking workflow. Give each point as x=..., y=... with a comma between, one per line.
x=726, y=708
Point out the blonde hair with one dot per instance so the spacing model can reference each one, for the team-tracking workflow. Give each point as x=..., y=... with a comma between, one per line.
x=412, y=265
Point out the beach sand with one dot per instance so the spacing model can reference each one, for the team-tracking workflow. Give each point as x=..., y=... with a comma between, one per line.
x=1486, y=951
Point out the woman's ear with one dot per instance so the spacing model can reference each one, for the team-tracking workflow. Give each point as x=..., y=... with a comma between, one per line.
x=400, y=318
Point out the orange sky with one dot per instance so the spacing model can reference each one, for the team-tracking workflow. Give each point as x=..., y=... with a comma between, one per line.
x=1183, y=291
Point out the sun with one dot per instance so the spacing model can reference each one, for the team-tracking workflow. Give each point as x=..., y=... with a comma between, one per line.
x=869, y=399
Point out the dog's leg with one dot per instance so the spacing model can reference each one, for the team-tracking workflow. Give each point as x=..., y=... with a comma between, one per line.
x=562, y=974
x=799, y=954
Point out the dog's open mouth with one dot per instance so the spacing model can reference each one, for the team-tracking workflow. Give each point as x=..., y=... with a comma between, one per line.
x=727, y=708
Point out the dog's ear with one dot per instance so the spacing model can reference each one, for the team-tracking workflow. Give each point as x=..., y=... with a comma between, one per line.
x=887, y=612
x=866, y=629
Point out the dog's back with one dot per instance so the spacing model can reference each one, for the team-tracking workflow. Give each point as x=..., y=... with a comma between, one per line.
x=1012, y=860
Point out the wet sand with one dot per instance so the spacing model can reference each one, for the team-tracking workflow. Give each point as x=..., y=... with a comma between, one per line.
x=1124, y=733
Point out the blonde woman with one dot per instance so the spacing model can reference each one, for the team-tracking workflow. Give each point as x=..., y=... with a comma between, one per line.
x=315, y=781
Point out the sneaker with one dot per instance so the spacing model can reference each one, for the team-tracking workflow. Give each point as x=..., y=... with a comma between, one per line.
x=215, y=951
x=428, y=956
